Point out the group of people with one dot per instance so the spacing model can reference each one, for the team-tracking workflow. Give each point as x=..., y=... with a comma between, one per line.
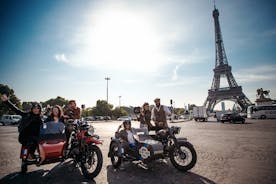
x=32, y=127
x=158, y=114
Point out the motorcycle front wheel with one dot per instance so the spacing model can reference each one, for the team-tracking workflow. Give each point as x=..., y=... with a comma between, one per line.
x=93, y=163
x=114, y=152
x=184, y=156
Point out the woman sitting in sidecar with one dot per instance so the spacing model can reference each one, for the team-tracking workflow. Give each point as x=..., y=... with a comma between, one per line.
x=52, y=136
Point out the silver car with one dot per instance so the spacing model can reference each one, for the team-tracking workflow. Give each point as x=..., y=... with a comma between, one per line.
x=10, y=119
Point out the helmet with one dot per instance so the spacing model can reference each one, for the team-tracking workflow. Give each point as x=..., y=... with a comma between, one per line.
x=126, y=122
x=36, y=104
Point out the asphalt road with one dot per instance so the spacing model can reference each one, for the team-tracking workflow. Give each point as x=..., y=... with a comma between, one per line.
x=227, y=153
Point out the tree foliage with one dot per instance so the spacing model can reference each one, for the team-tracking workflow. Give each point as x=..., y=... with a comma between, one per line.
x=118, y=112
x=5, y=89
x=179, y=111
x=56, y=101
x=102, y=108
x=87, y=112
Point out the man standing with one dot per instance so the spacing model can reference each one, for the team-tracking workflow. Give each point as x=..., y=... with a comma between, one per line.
x=73, y=111
x=159, y=115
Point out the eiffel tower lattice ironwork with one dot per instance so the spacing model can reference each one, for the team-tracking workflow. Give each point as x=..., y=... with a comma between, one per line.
x=217, y=94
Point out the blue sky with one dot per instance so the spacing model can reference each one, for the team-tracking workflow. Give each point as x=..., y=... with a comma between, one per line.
x=148, y=48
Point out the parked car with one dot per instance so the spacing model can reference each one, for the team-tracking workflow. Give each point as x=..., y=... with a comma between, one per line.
x=106, y=118
x=99, y=118
x=232, y=118
x=89, y=118
x=123, y=118
x=184, y=116
x=10, y=119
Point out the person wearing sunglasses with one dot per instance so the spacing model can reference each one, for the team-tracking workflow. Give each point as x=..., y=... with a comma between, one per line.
x=29, y=127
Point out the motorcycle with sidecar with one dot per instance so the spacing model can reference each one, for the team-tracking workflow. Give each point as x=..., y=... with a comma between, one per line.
x=81, y=146
x=161, y=145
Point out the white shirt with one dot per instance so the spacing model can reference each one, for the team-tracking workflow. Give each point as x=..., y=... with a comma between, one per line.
x=165, y=108
x=130, y=137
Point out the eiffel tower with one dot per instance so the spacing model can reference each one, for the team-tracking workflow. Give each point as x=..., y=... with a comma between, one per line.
x=217, y=94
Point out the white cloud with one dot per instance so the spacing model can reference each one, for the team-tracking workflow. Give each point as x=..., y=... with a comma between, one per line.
x=257, y=74
x=180, y=82
x=61, y=58
x=175, y=76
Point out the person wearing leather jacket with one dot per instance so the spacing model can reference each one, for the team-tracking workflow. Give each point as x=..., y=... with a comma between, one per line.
x=29, y=127
x=73, y=112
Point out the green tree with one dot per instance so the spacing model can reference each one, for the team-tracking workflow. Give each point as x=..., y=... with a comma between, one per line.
x=118, y=112
x=26, y=106
x=191, y=106
x=102, y=108
x=179, y=111
x=5, y=89
x=87, y=112
x=129, y=109
x=56, y=101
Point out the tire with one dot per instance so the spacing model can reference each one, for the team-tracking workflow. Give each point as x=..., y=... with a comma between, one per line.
x=24, y=167
x=93, y=150
x=176, y=151
x=115, y=160
x=222, y=121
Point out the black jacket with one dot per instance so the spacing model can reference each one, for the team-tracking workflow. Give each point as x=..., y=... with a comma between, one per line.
x=30, y=123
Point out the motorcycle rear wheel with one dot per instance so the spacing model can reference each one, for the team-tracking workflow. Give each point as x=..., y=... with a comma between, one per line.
x=115, y=159
x=90, y=162
x=184, y=157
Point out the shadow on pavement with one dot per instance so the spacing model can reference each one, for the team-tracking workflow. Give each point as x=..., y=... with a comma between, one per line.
x=61, y=173
x=160, y=173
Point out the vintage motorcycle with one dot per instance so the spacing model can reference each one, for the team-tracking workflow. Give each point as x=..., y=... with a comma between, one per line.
x=148, y=148
x=80, y=145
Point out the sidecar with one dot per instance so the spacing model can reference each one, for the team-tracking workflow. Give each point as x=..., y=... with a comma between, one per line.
x=146, y=149
x=52, y=146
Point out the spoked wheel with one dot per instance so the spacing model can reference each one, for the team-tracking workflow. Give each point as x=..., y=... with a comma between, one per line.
x=24, y=167
x=114, y=155
x=184, y=157
x=93, y=163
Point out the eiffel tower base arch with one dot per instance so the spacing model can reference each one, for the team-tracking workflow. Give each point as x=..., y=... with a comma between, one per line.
x=233, y=94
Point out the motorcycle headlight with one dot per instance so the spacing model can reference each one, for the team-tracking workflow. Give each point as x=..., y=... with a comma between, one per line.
x=91, y=130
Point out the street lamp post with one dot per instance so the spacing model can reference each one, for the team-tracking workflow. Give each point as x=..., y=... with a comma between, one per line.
x=120, y=101
x=107, y=79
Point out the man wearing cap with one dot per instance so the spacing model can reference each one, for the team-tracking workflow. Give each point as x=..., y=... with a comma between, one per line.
x=159, y=115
